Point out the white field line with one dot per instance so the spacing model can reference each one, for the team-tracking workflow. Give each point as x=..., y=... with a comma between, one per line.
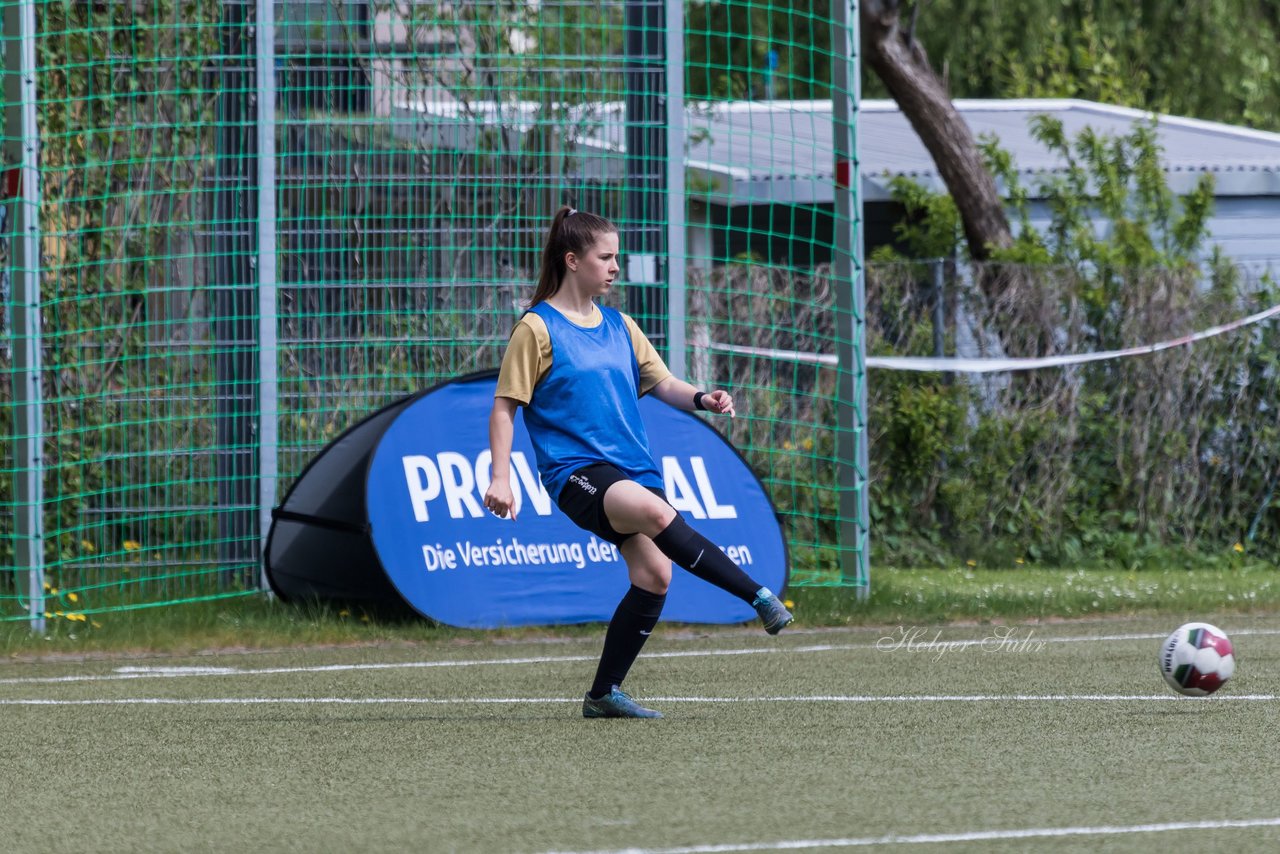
x=893, y=640
x=537, y=701
x=933, y=838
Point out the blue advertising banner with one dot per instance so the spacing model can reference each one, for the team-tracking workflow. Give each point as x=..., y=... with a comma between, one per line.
x=454, y=561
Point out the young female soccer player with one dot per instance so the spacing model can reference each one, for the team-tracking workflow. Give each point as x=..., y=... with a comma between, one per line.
x=579, y=370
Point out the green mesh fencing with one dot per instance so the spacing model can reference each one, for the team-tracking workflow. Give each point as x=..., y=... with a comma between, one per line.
x=210, y=318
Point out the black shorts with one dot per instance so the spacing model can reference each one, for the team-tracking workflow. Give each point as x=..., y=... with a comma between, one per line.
x=582, y=500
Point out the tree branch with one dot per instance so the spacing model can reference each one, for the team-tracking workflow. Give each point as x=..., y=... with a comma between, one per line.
x=900, y=62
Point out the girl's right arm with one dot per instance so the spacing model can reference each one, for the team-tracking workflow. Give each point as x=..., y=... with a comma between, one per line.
x=498, y=497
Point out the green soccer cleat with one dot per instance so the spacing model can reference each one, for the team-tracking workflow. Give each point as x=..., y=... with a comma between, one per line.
x=615, y=704
x=772, y=612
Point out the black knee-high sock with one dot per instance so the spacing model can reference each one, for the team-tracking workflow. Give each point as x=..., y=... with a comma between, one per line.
x=635, y=618
x=689, y=549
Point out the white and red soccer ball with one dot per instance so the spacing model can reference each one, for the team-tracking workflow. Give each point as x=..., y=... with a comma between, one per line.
x=1197, y=659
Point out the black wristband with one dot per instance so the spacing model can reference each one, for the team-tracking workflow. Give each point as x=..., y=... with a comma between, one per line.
x=697, y=400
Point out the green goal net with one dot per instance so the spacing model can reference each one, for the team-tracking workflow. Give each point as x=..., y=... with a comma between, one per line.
x=251, y=224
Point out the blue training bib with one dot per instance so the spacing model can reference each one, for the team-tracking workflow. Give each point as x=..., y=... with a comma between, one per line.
x=587, y=409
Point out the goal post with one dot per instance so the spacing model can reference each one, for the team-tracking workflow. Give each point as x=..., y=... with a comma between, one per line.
x=850, y=307
x=25, y=422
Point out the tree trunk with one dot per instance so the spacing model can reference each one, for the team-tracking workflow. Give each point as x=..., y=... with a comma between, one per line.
x=900, y=62
x=1011, y=295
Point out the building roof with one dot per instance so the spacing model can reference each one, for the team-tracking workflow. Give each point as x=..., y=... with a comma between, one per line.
x=773, y=144
x=758, y=152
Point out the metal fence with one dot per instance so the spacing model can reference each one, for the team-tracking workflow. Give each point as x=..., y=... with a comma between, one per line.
x=241, y=226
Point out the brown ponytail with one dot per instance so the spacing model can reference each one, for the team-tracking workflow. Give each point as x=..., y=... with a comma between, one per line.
x=571, y=231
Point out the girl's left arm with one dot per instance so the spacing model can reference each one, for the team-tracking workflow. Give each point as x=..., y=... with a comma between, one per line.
x=681, y=395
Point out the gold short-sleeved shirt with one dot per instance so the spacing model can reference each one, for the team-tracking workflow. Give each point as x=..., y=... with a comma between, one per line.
x=528, y=357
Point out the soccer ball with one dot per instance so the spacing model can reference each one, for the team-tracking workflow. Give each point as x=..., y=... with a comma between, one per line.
x=1197, y=659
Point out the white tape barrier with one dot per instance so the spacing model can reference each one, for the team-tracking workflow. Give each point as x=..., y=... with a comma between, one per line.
x=987, y=366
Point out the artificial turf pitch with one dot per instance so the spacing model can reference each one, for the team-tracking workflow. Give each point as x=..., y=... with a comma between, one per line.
x=1055, y=738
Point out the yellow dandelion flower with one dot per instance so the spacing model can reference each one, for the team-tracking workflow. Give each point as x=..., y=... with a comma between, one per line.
x=88, y=546
x=1238, y=547
x=132, y=545
x=48, y=616
x=53, y=591
x=970, y=563
x=807, y=444
x=72, y=597
x=789, y=604
x=1019, y=561
x=344, y=613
